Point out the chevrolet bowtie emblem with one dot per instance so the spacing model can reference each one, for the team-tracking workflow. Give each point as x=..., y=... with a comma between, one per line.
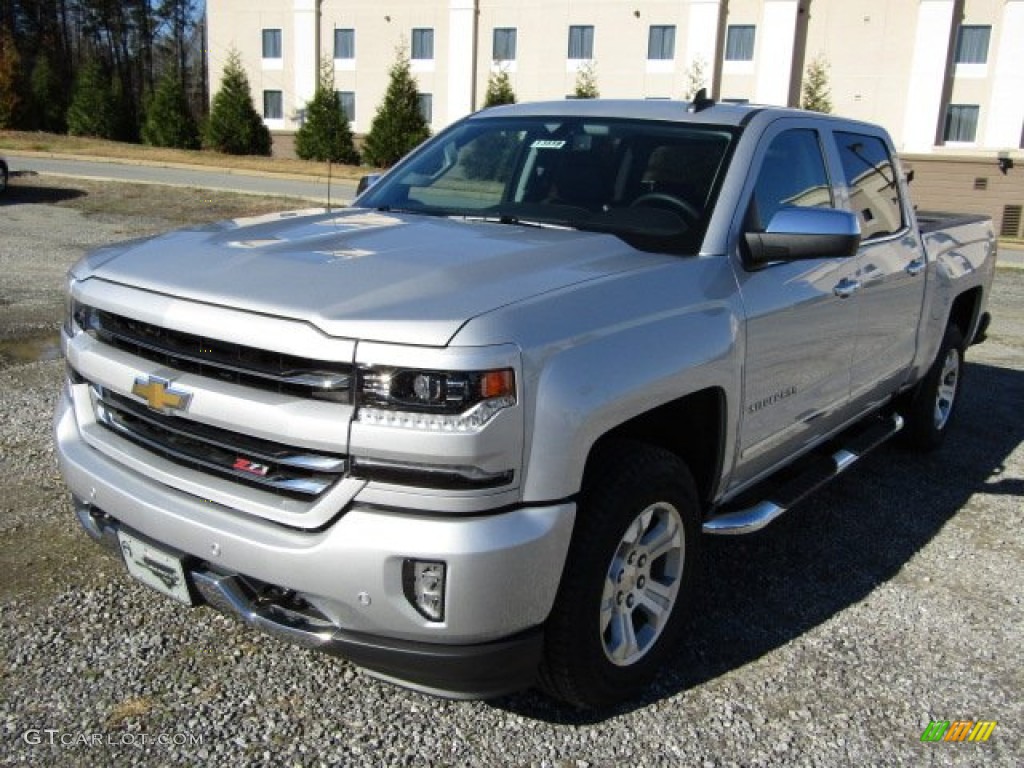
x=159, y=395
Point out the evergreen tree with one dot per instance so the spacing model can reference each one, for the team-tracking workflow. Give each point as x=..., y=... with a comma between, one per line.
x=169, y=122
x=398, y=125
x=816, y=93
x=499, y=90
x=234, y=126
x=93, y=110
x=10, y=74
x=49, y=103
x=696, y=77
x=586, y=82
x=325, y=134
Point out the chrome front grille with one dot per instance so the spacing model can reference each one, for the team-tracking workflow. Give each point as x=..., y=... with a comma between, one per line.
x=269, y=465
x=221, y=360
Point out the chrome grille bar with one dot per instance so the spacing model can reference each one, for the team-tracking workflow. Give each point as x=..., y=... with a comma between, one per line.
x=272, y=466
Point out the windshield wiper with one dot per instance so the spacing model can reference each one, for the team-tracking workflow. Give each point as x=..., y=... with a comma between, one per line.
x=513, y=220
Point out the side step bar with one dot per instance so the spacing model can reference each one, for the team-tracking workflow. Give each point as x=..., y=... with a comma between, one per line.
x=818, y=473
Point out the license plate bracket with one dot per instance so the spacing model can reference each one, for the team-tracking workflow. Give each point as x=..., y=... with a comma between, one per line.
x=155, y=567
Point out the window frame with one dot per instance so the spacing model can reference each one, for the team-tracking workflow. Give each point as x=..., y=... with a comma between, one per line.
x=276, y=35
x=732, y=41
x=422, y=39
x=585, y=43
x=341, y=97
x=868, y=170
x=426, y=107
x=509, y=34
x=669, y=38
x=984, y=52
x=951, y=121
x=341, y=34
x=280, y=104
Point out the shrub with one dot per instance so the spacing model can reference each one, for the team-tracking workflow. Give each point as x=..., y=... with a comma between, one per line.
x=169, y=122
x=325, y=134
x=398, y=125
x=234, y=125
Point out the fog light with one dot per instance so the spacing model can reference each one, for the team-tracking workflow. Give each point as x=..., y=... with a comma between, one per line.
x=423, y=581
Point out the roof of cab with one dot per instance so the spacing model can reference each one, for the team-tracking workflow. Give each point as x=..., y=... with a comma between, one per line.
x=646, y=109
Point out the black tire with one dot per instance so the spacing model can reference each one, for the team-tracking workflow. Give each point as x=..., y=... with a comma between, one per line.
x=3, y=177
x=631, y=491
x=932, y=407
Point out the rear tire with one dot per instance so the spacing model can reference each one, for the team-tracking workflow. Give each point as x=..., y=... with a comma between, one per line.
x=933, y=405
x=629, y=575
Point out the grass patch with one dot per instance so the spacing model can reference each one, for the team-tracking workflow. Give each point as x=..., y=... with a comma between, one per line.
x=162, y=206
x=115, y=150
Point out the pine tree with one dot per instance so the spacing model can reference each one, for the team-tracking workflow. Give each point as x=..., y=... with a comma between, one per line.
x=325, y=134
x=169, y=122
x=586, y=82
x=499, y=90
x=398, y=125
x=816, y=94
x=696, y=77
x=10, y=74
x=234, y=126
x=93, y=110
x=47, y=94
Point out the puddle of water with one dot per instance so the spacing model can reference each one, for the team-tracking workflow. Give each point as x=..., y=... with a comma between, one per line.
x=30, y=350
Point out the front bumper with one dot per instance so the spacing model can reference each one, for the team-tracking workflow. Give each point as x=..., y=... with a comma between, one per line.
x=503, y=572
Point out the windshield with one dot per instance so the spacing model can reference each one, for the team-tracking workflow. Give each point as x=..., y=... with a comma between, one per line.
x=651, y=183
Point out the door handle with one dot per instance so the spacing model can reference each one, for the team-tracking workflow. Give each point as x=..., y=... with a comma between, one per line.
x=846, y=287
x=916, y=267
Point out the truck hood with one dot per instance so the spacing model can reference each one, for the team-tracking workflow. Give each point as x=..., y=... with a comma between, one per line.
x=363, y=274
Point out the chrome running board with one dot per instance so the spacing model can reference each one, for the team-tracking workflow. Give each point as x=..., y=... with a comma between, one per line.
x=752, y=518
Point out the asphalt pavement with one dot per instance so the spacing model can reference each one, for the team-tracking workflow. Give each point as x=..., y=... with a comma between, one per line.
x=231, y=180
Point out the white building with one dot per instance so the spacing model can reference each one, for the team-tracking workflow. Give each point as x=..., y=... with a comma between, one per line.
x=944, y=76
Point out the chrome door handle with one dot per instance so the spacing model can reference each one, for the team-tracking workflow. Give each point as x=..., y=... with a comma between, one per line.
x=916, y=267
x=845, y=288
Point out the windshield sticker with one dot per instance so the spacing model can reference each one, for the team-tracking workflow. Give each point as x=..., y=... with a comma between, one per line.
x=547, y=144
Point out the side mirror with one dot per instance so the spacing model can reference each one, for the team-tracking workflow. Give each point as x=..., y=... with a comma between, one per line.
x=367, y=181
x=795, y=234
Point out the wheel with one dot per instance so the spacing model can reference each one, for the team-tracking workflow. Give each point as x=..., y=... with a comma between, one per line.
x=629, y=576
x=933, y=404
x=668, y=202
x=3, y=177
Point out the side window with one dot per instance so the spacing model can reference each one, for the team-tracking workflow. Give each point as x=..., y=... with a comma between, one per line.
x=871, y=177
x=792, y=174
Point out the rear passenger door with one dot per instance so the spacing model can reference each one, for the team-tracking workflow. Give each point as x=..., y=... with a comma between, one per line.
x=800, y=329
x=891, y=269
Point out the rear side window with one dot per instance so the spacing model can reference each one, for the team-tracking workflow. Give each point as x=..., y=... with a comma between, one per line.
x=792, y=174
x=872, y=180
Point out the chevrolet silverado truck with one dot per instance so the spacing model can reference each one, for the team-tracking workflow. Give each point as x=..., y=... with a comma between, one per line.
x=469, y=432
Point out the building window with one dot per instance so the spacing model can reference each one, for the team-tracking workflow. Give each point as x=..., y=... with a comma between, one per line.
x=581, y=42
x=271, y=43
x=423, y=43
x=739, y=42
x=347, y=102
x=504, y=48
x=661, y=42
x=961, y=122
x=273, y=105
x=427, y=106
x=972, y=44
x=344, y=43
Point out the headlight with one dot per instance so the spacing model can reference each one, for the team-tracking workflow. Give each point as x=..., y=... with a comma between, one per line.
x=454, y=401
x=69, y=305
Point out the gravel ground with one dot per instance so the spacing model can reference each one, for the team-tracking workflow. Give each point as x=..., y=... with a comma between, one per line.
x=831, y=638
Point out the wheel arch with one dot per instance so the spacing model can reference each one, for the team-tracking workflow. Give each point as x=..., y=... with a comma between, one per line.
x=964, y=313
x=691, y=427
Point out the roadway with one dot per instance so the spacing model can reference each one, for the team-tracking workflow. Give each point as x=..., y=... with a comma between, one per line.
x=225, y=179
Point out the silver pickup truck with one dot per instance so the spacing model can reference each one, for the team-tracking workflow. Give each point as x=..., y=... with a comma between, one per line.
x=469, y=433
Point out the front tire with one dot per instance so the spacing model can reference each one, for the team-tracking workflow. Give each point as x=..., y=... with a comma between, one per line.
x=628, y=578
x=933, y=404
